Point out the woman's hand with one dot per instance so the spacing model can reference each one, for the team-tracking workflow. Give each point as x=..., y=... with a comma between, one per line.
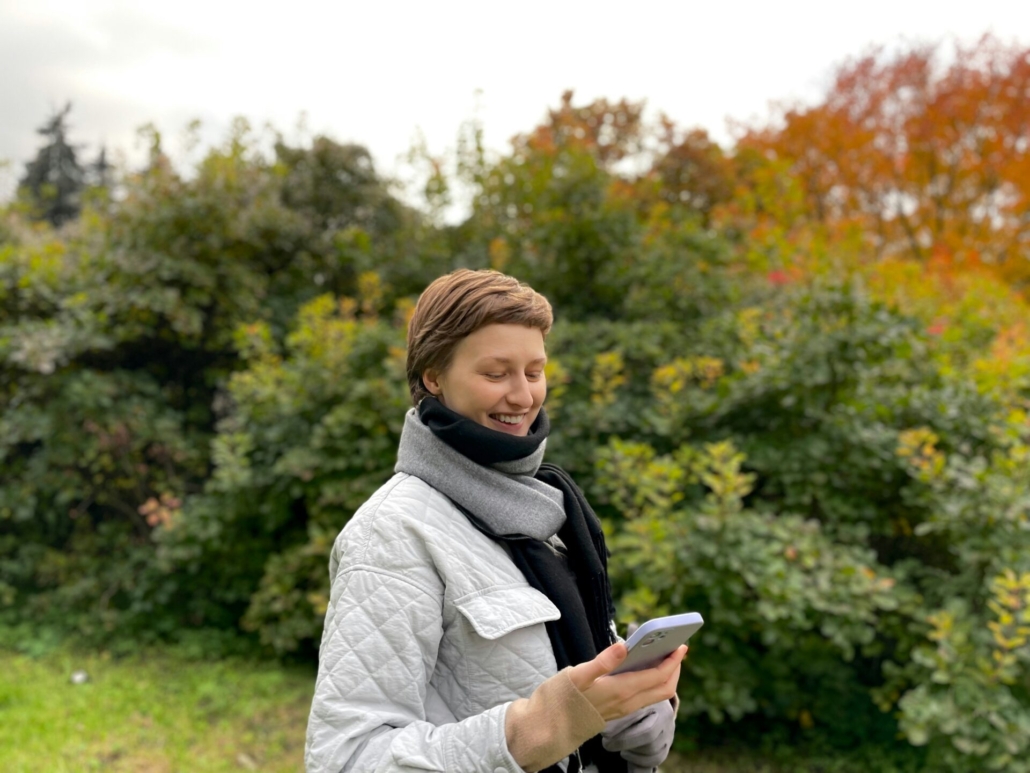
x=622, y=694
x=574, y=705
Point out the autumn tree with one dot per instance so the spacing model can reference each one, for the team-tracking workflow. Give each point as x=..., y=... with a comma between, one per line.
x=689, y=171
x=608, y=130
x=924, y=152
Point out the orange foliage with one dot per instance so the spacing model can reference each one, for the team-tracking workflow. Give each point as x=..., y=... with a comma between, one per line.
x=921, y=157
x=610, y=131
x=654, y=167
x=691, y=170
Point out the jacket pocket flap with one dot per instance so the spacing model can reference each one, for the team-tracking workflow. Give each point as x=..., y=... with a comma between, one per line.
x=494, y=613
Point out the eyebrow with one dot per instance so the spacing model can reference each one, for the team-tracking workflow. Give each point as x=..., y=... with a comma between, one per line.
x=506, y=361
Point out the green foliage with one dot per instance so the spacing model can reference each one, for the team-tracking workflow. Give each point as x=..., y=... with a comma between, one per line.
x=116, y=343
x=878, y=519
x=968, y=681
x=545, y=216
x=781, y=600
x=312, y=432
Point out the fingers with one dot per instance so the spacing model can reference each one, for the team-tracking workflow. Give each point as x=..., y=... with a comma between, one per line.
x=585, y=674
x=659, y=683
x=672, y=662
x=661, y=692
x=618, y=695
x=679, y=653
x=649, y=679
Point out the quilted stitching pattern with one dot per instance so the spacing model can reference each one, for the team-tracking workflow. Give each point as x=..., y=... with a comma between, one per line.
x=431, y=630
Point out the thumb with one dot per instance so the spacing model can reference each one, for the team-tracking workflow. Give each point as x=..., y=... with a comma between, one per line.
x=585, y=674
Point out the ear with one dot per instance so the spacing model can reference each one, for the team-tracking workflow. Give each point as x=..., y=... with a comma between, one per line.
x=431, y=378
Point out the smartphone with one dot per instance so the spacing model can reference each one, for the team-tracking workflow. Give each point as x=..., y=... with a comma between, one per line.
x=657, y=639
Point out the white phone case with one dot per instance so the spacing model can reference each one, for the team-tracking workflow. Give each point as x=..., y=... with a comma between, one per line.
x=656, y=639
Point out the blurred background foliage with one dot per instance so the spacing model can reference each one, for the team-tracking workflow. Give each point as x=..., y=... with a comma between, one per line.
x=793, y=374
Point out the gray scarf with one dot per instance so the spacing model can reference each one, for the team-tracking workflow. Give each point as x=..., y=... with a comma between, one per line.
x=506, y=497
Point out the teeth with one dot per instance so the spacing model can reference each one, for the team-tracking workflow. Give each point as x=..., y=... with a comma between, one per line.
x=508, y=419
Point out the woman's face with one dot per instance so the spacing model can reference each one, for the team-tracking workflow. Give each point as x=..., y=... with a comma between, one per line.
x=496, y=378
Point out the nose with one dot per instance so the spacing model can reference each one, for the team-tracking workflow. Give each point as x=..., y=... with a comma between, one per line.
x=520, y=395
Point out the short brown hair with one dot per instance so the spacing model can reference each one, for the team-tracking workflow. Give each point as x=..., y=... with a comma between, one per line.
x=457, y=305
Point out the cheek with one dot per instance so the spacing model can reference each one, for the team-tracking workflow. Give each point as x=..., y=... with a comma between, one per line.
x=488, y=394
x=540, y=392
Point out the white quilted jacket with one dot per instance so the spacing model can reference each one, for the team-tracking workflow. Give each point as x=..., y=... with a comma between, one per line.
x=431, y=631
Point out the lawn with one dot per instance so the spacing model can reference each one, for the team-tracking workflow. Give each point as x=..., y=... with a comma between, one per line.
x=152, y=714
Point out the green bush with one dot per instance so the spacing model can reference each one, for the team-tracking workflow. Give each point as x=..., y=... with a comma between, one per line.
x=117, y=338
x=311, y=433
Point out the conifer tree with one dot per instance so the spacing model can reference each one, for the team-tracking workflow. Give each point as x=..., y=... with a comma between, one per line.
x=53, y=180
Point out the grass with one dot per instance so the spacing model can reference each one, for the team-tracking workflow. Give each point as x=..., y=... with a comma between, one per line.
x=153, y=713
x=162, y=713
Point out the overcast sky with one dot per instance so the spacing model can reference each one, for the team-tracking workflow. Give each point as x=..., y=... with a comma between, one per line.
x=376, y=72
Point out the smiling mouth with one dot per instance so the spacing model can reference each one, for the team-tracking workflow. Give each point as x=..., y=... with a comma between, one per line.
x=508, y=419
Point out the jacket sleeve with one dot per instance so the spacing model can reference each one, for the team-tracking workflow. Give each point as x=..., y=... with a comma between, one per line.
x=378, y=652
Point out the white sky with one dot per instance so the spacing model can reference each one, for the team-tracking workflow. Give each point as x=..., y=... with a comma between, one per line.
x=377, y=72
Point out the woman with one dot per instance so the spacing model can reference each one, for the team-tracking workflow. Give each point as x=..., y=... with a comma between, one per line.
x=470, y=626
